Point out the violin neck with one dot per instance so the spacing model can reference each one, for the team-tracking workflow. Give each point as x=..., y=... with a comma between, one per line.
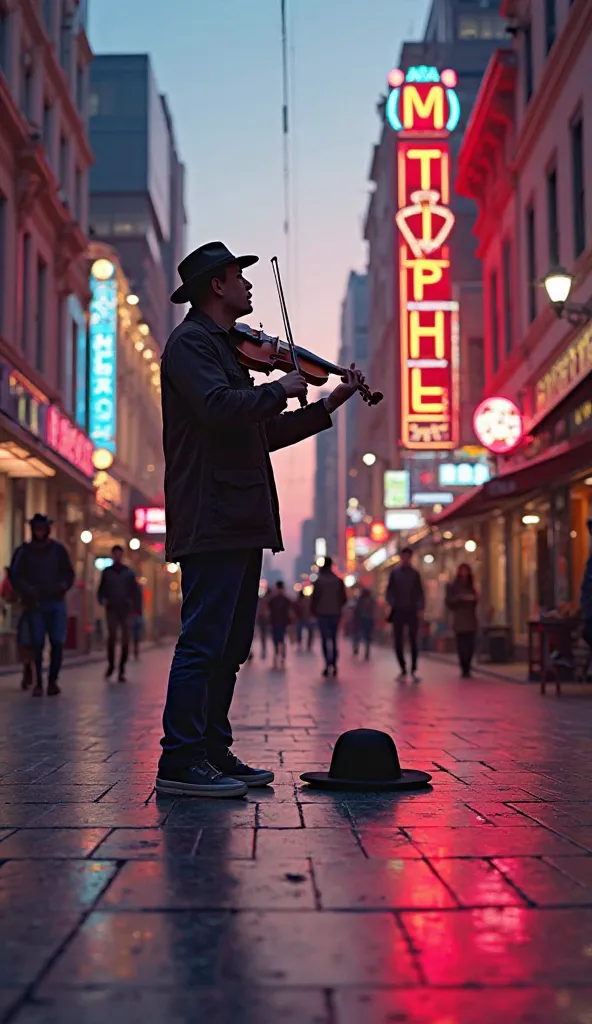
x=323, y=364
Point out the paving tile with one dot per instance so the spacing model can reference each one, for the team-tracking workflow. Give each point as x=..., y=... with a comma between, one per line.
x=53, y=885
x=578, y=868
x=217, y=813
x=42, y=843
x=278, y=815
x=326, y=950
x=477, y=883
x=381, y=884
x=444, y=1006
x=321, y=843
x=174, y=950
x=51, y=794
x=247, y=1005
x=148, y=843
x=543, y=884
x=101, y=816
x=209, y=885
x=326, y=815
x=508, y=946
x=29, y=941
x=20, y=815
x=489, y=841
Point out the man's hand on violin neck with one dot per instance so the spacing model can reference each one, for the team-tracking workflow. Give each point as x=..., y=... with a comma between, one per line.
x=294, y=385
x=348, y=387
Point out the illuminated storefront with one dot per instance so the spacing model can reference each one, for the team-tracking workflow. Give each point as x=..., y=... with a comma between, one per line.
x=423, y=109
x=102, y=412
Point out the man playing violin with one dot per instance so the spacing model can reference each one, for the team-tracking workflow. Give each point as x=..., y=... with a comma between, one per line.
x=222, y=511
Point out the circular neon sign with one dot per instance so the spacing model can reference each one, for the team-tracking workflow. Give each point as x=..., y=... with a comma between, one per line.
x=498, y=425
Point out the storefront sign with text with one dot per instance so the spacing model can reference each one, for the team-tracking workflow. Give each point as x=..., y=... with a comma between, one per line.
x=565, y=373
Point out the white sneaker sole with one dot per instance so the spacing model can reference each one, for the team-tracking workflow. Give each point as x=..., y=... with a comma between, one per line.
x=170, y=788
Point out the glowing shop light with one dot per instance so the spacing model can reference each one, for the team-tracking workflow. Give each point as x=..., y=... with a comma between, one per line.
x=497, y=422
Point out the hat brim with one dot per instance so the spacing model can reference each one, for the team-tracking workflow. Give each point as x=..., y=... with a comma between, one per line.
x=409, y=779
x=182, y=293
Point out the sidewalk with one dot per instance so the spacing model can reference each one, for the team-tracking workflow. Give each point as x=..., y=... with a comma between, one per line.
x=467, y=903
x=514, y=672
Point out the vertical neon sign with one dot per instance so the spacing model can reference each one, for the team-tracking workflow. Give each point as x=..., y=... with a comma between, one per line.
x=423, y=109
x=103, y=355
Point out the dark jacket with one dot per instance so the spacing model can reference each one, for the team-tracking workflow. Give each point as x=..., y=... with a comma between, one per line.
x=365, y=608
x=462, y=600
x=280, y=611
x=328, y=596
x=218, y=431
x=118, y=589
x=404, y=592
x=586, y=592
x=41, y=572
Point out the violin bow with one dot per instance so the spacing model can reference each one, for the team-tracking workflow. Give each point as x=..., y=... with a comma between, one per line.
x=289, y=337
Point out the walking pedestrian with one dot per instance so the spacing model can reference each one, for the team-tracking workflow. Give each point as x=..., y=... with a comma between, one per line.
x=41, y=573
x=118, y=594
x=280, y=616
x=262, y=621
x=363, y=621
x=327, y=603
x=461, y=599
x=303, y=617
x=405, y=596
x=138, y=623
x=222, y=510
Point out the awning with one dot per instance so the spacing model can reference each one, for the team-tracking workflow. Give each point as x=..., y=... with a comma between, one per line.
x=563, y=460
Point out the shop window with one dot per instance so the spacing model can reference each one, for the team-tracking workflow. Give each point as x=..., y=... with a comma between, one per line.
x=550, y=23
x=553, y=218
x=531, y=262
x=41, y=324
x=508, y=297
x=578, y=185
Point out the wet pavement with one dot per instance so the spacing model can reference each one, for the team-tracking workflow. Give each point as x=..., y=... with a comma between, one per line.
x=469, y=903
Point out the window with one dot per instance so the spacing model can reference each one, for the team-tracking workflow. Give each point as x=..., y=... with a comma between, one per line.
x=4, y=50
x=47, y=131
x=41, y=314
x=508, y=297
x=80, y=90
x=493, y=321
x=66, y=41
x=27, y=88
x=528, y=80
x=531, y=263
x=48, y=9
x=578, y=185
x=2, y=258
x=553, y=219
x=78, y=196
x=477, y=364
x=24, y=290
x=60, y=343
x=64, y=157
x=550, y=24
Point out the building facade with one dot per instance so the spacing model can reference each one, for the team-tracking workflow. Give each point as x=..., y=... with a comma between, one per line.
x=353, y=349
x=527, y=162
x=45, y=451
x=137, y=182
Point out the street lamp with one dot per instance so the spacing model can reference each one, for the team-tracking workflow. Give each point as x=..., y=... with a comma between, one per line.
x=369, y=459
x=558, y=283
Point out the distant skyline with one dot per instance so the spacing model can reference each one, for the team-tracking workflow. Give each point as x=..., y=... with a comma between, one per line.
x=219, y=63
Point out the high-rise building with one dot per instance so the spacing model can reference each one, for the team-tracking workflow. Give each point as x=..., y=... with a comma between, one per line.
x=326, y=513
x=305, y=559
x=354, y=348
x=137, y=181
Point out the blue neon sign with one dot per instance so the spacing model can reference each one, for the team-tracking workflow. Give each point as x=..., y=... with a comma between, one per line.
x=103, y=359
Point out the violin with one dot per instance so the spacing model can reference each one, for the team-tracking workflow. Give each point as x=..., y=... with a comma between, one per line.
x=261, y=352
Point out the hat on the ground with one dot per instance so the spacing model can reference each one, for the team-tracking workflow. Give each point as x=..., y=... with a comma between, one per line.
x=208, y=257
x=366, y=759
x=40, y=520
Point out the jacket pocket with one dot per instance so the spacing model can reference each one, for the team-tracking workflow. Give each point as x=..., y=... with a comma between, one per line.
x=241, y=498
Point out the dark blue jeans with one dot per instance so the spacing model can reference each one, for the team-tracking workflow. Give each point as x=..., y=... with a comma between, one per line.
x=49, y=619
x=328, y=627
x=220, y=598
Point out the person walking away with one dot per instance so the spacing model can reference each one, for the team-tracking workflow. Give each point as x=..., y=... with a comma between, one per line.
x=138, y=621
x=262, y=621
x=364, y=615
x=280, y=616
x=41, y=573
x=461, y=600
x=222, y=511
x=118, y=594
x=327, y=603
x=405, y=596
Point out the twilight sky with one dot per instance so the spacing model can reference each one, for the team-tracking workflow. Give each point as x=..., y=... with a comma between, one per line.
x=219, y=62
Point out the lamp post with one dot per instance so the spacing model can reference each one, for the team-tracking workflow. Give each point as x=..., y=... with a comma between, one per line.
x=558, y=284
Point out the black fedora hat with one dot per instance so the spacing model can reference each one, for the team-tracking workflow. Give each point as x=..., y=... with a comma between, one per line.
x=204, y=260
x=40, y=520
x=366, y=759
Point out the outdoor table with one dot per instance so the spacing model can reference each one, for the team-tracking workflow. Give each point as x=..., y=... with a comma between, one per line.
x=545, y=635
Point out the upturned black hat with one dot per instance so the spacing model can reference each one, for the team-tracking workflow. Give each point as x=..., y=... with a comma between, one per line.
x=366, y=759
x=40, y=520
x=204, y=260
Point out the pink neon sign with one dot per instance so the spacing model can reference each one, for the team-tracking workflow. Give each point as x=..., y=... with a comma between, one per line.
x=69, y=441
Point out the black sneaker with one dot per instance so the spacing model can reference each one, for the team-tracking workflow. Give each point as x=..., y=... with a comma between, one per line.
x=237, y=769
x=199, y=780
x=52, y=688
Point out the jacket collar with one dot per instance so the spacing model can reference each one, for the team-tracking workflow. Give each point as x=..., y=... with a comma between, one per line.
x=199, y=317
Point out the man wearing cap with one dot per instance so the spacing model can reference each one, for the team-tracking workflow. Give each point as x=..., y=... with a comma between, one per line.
x=41, y=573
x=222, y=511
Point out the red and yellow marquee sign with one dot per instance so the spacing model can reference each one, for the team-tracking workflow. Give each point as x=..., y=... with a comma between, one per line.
x=423, y=112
